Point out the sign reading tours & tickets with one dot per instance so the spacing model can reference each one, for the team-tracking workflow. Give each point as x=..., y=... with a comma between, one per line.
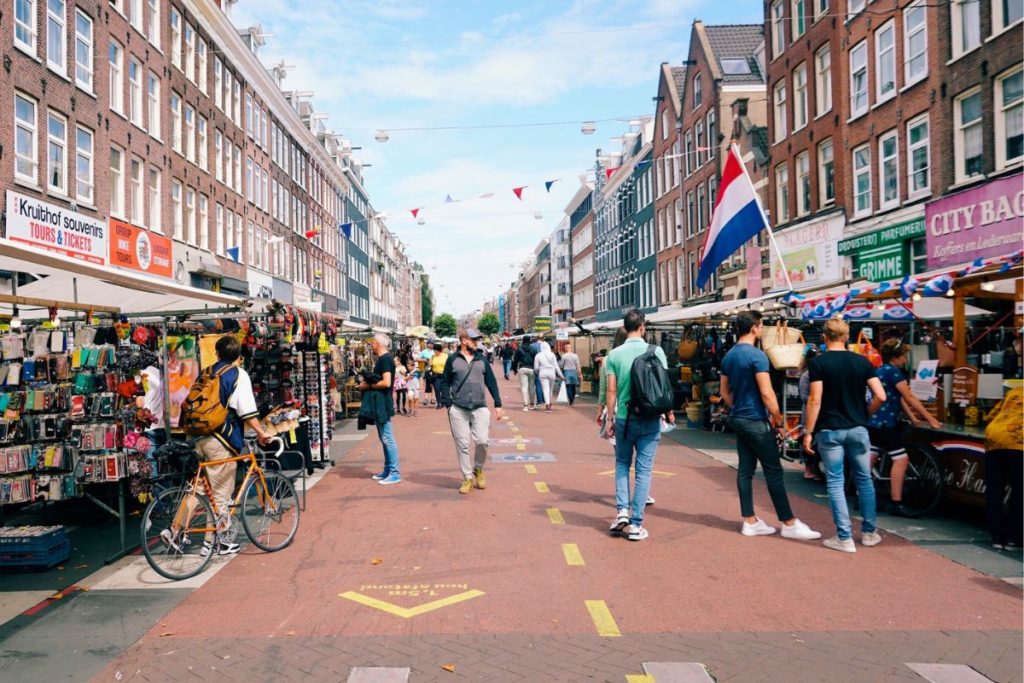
x=54, y=228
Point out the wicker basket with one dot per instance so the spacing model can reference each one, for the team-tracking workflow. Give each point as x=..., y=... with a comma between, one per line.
x=787, y=356
x=782, y=333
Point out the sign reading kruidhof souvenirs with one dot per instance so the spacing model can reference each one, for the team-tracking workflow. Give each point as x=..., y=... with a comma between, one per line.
x=55, y=228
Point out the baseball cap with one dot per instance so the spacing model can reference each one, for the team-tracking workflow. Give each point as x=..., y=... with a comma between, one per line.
x=473, y=333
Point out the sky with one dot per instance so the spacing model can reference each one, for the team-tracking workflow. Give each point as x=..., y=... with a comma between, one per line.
x=461, y=64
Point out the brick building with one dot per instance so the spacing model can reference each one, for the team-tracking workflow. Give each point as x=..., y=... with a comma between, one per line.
x=581, y=231
x=667, y=197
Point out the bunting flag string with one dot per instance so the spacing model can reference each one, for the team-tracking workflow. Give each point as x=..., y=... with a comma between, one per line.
x=415, y=213
x=549, y=183
x=519, y=191
x=609, y=172
x=234, y=253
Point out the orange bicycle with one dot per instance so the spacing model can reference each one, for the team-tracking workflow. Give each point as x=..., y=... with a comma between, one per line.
x=182, y=526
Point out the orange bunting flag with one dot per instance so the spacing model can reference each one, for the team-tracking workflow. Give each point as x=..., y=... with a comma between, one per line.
x=519, y=191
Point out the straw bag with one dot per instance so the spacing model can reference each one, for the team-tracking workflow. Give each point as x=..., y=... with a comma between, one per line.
x=782, y=333
x=687, y=348
x=865, y=348
x=789, y=355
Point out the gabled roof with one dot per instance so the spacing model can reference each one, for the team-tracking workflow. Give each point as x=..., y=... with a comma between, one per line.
x=675, y=81
x=735, y=41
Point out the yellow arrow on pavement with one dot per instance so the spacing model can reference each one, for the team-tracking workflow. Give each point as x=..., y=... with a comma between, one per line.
x=409, y=612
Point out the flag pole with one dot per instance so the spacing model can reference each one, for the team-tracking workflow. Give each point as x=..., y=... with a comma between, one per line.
x=771, y=234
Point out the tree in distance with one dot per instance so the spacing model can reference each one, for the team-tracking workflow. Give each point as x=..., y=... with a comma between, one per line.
x=445, y=325
x=488, y=324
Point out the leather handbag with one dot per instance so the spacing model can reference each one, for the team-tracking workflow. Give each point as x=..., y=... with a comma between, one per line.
x=864, y=347
x=687, y=348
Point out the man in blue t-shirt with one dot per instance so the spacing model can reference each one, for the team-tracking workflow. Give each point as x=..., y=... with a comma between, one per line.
x=755, y=416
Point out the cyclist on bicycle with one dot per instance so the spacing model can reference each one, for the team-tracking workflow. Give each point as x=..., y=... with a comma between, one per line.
x=228, y=441
x=882, y=427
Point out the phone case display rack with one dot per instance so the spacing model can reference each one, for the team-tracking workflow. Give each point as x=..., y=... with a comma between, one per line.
x=312, y=372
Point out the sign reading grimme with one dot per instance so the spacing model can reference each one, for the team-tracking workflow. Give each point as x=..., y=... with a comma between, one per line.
x=54, y=228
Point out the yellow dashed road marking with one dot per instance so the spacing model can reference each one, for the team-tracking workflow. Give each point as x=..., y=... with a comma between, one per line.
x=541, y=487
x=603, y=620
x=639, y=678
x=555, y=515
x=572, y=554
x=531, y=469
x=520, y=446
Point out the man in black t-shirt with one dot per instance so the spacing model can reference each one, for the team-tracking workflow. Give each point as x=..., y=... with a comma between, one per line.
x=837, y=417
x=385, y=369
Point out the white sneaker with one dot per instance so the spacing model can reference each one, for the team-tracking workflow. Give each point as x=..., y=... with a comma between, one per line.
x=842, y=546
x=526, y=409
x=870, y=538
x=759, y=528
x=620, y=523
x=650, y=500
x=636, y=533
x=800, y=531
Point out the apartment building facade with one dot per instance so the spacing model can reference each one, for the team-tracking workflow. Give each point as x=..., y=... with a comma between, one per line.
x=667, y=178
x=561, y=272
x=581, y=235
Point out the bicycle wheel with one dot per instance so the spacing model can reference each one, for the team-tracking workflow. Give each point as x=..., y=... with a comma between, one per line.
x=270, y=516
x=926, y=478
x=173, y=527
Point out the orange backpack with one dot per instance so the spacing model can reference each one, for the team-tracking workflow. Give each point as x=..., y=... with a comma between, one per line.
x=202, y=413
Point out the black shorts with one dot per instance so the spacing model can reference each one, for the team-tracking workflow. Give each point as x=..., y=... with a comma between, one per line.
x=888, y=439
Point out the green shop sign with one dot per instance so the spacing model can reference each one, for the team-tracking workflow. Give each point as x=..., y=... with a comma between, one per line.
x=894, y=234
x=542, y=324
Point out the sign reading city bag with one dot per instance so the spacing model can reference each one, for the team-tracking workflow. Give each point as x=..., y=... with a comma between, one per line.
x=57, y=229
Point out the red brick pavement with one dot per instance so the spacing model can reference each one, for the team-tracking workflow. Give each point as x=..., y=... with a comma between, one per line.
x=696, y=580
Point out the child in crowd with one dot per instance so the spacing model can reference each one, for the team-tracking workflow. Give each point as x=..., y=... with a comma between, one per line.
x=413, y=387
x=401, y=387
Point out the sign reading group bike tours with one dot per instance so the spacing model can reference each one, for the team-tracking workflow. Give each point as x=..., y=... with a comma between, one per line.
x=55, y=228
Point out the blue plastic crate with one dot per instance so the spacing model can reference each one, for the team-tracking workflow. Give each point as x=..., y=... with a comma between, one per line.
x=41, y=559
x=41, y=542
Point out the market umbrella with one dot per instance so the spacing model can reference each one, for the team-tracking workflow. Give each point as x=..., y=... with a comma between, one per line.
x=418, y=331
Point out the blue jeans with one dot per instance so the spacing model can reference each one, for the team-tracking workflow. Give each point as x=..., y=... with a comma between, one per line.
x=386, y=433
x=538, y=388
x=507, y=366
x=642, y=437
x=835, y=446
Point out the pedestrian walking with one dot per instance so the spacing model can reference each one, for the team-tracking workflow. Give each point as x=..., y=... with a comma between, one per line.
x=466, y=375
x=837, y=423
x=636, y=436
x=437, y=363
x=414, y=392
x=545, y=366
x=506, y=358
x=1004, y=454
x=755, y=417
x=883, y=427
x=384, y=371
x=523, y=367
x=572, y=370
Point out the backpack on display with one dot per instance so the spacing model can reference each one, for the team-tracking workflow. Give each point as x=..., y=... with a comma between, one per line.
x=202, y=413
x=650, y=387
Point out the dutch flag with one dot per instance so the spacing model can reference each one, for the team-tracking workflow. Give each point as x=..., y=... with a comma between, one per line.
x=737, y=216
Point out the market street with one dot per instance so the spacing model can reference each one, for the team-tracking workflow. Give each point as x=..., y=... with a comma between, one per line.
x=522, y=582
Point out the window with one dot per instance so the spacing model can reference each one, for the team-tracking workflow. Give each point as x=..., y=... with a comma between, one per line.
x=153, y=27
x=965, y=25
x=781, y=193
x=116, y=54
x=179, y=224
x=858, y=79
x=56, y=35
x=154, y=200
x=190, y=133
x=799, y=11
x=780, y=111
x=248, y=114
x=1006, y=13
x=823, y=80
x=248, y=179
x=25, y=132
x=176, y=123
x=190, y=215
x=190, y=53
x=691, y=219
x=218, y=159
x=83, y=50
x=918, y=157
x=915, y=43
x=175, y=37
x=135, y=14
x=57, y=153
x=238, y=169
x=153, y=97
x=712, y=191
x=799, y=97
x=117, y=182
x=204, y=222
x=712, y=134
x=967, y=135
x=698, y=96
x=201, y=63
x=1009, y=118
x=688, y=154
x=699, y=146
x=135, y=208
x=237, y=91
x=855, y=7
x=218, y=218
x=135, y=92
x=862, y=181
x=25, y=24
x=885, y=61
x=803, y=184
x=218, y=83
x=889, y=170
x=826, y=174
x=820, y=8
x=778, y=29
x=201, y=142
x=83, y=165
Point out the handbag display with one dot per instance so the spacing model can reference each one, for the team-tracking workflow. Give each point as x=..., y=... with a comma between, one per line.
x=864, y=347
x=782, y=333
x=687, y=348
x=789, y=355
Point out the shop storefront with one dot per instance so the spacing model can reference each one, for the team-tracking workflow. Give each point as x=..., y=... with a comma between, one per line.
x=981, y=222
x=883, y=254
x=810, y=254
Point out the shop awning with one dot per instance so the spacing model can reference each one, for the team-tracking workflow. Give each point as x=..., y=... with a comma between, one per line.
x=705, y=310
x=130, y=292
